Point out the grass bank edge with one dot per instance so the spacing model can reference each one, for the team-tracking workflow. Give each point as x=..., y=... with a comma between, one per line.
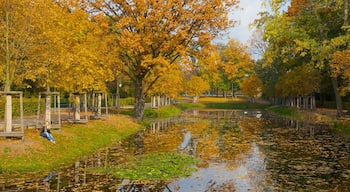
x=73, y=142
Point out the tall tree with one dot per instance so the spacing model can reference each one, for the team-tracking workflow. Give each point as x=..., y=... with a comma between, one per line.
x=69, y=52
x=15, y=38
x=196, y=86
x=154, y=34
x=251, y=86
x=235, y=63
x=307, y=34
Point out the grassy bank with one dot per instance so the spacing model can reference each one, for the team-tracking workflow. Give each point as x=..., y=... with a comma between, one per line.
x=285, y=111
x=73, y=141
x=221, y=103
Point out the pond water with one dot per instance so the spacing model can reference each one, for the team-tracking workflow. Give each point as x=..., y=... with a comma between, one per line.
x=238, y=151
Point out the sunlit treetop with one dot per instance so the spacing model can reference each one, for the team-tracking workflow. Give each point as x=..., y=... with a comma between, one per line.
x=157, y=33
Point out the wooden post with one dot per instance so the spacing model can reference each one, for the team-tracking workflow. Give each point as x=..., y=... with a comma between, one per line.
x=106, y=104
x=8, y=113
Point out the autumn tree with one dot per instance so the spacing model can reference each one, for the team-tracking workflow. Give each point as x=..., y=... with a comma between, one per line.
x=340, y=67
x=196, y=86
x=153, y=35
x=301, y=81
x=207, y=66
x=15, y=39
x=70, y=51
x=306, y=34
x=170, y=85
x=251, y=86
x=236, y=63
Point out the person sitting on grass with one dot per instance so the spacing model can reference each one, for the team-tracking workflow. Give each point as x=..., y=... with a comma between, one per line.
x=45, y=132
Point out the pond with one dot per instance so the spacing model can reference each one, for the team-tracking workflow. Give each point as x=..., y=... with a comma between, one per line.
x=238, y=151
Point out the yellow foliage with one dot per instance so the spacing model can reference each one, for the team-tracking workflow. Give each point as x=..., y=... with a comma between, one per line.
x=251, y=86
x=69, y=49
x=236, y=62
x=15, y=37
x=156, y=34
x=196, y=86
x=170, y=83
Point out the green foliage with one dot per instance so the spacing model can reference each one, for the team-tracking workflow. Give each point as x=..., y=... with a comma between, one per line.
x=7, y=150
x=162, y=166
x=301, y=43
x=127, y=101
x=30, y=106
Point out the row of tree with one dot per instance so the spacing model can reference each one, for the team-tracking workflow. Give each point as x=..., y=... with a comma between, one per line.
x=81, y=45
x=304, y=49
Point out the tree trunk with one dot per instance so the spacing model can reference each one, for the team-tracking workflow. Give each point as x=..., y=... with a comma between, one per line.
x=346, y=12
x=348, y=112
x=8, y=82
x=139, y=105
x=47, y=120
x=338, y=100
x=313, y=103
x=195, y=99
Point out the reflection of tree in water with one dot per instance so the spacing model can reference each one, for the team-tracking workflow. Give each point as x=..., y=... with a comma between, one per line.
x=306, y=156
x=163, y=136
x=243, y=152
x=236, y=137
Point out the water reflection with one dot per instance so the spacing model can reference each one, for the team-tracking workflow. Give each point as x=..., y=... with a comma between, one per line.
x=239, y=151
x=247, y=175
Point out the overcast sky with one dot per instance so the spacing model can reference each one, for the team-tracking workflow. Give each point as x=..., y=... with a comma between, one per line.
x=247, y=13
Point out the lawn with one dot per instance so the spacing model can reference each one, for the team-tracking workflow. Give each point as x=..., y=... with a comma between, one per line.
x=73, y=141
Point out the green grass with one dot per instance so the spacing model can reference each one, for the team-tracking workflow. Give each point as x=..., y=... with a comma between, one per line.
x=72, y=142
x=235, y=105
x=285, y=111
x=163, y=112
x=342, y=127
x=184, y=106
x=161, y=166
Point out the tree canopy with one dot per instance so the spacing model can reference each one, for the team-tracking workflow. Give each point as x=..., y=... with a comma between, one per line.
x=301, y=46
x=153, y=35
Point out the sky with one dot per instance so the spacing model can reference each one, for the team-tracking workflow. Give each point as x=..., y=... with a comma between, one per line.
x=245, y=15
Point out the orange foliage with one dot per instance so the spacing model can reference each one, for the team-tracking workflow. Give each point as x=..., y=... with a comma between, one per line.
x=296, y=6
x=340, y=63
x=300, y=81
x=236, y=61
x=251, y=86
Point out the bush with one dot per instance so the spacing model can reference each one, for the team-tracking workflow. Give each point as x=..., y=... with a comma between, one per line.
x=127, y=101
x=30, y=106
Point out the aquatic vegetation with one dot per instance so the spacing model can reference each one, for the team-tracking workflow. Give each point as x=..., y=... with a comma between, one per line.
x=159, y=166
